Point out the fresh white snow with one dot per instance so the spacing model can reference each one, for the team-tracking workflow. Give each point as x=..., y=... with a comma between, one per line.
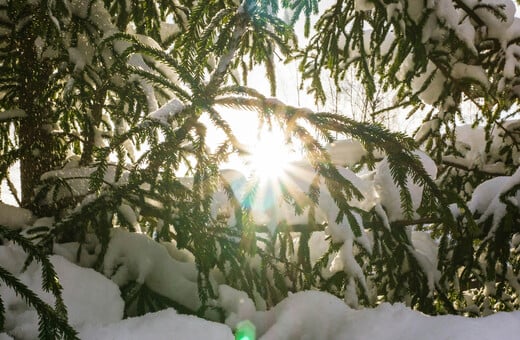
x=163, y=325
x=90, y=298
x=388, y=191
x=95, y=310
x=15, y=217
x=132, y=256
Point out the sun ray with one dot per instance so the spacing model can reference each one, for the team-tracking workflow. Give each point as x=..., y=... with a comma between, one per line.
x=280, y=179
x=270, y=156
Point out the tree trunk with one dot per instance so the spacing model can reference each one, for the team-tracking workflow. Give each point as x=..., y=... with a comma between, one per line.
x=39, y=148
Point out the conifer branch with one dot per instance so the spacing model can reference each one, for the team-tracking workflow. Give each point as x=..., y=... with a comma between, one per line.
x=470, y=12
x=474, y=168
x=217, y=78
x=14, y=191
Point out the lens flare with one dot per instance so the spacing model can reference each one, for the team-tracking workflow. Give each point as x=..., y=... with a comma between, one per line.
x=270, y=156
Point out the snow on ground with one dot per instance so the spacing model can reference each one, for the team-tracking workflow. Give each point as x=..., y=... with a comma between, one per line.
x=95, y=309
x=399, y=322
x=163, y=325
x=318, y=315
x=89, y=296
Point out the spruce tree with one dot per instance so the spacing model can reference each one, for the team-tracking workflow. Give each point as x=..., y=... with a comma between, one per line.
x=109, y=96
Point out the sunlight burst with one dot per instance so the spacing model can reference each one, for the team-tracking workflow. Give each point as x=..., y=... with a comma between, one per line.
x=270, y=156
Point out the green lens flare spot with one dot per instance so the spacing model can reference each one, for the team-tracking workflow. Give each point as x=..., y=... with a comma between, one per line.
x=245, y=330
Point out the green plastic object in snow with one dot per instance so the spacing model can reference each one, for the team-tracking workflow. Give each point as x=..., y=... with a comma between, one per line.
x=245, y=330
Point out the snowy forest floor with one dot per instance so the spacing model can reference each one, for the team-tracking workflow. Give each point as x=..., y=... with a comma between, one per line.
x=95, y=310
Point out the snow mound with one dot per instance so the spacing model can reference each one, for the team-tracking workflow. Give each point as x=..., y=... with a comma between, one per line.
x=136, y=257
x=163, y=325
x=393, y=322
x=319, y=315
x=236, y=303
x=303, y=315
x=91, y=299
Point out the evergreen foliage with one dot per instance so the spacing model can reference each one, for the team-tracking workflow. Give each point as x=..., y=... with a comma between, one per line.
x=103, y=104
